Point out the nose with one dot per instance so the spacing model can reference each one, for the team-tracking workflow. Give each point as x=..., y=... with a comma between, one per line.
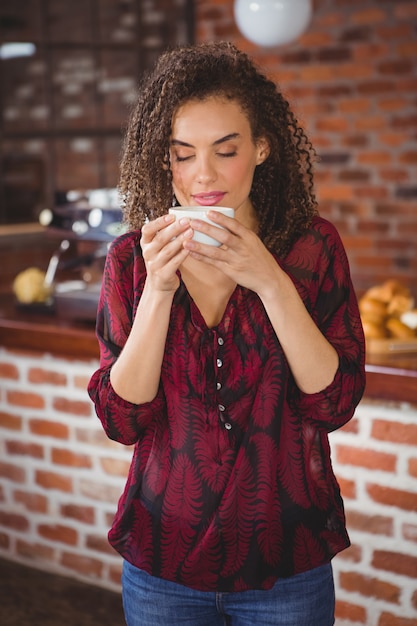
x=206, y=172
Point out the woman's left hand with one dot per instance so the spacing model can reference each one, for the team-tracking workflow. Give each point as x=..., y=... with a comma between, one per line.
x=242, y=255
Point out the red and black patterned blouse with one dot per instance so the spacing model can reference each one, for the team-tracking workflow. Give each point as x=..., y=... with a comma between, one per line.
x=231, y=484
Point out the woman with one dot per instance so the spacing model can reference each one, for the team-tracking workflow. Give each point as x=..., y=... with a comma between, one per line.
x=227, y=367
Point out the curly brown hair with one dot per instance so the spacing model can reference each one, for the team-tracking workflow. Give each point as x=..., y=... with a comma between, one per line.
x=282, y=191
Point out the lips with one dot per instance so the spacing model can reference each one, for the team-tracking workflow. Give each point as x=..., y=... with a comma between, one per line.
x=212, y=198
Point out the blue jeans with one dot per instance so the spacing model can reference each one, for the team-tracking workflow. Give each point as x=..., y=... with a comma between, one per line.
x=303, y=600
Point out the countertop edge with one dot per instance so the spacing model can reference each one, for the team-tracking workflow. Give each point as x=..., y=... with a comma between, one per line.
x=389, y=379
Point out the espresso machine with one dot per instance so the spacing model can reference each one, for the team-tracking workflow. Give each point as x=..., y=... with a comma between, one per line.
x=84, y=224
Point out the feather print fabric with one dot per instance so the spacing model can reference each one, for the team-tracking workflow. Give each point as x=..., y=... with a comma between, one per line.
x=231, y=484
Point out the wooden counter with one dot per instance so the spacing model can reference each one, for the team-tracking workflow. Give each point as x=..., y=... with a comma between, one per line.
x=389, y=377
x=32, y=328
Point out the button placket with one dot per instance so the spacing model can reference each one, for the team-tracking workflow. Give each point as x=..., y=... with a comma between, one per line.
x=222, y=409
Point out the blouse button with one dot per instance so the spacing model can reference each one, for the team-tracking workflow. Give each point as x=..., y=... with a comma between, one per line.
x=220, y=341
x=221, y=407
x=218, y=386
x=219, y=362
x=228, y=426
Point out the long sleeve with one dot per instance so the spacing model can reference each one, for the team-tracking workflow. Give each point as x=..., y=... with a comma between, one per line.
x=123, y=280
x=320, y=270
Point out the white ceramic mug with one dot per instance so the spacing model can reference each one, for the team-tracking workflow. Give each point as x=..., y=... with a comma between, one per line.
x=200, y=213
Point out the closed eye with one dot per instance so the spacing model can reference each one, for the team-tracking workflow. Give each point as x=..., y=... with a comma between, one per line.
x=181, y=159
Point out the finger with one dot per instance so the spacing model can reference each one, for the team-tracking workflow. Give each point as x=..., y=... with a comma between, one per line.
x=230, y=223
x=213, y=254
x=221, y=235
x=163, y=229
x=150, y=229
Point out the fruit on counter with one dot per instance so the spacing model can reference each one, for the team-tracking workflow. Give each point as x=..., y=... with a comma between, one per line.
x=386, y=311
x=29, y=286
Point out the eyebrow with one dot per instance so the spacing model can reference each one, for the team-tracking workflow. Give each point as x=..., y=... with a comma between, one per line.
x=178, y=142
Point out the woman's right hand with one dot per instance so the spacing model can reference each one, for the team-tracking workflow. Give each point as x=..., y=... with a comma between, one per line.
x=163, y=252
x=137, y=380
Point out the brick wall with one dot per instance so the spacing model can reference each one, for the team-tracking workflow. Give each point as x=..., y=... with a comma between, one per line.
x=60, y=479
x=375, y=460
x=352, y=80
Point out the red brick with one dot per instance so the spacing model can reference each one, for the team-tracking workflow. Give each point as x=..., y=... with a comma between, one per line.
x=34, y=551
x=355, y=141
x=59, y=533
x=81, y=382
x=362, y=457
x=393, y=497
x=99, y=491
x=407, y=49
x=395, y=432
x=389, y=619
x=395, y=66
x=75, y=407
x=352, y=612
x=412, y=467
x=115, y=467
x=46, y=428
x=369, y=586
x=9, y=370
x=371, y=123
x=410, y=532
x=12, y=472
x=34, y=450
x=352, y=554
x=84, y=514
x=14, y=520
x=34, y=502
x=405, y=10
x=347, y=487
x=41, y=376
x=373, y=263
x=375, y=158
x=332, y=124
x=96, y=437
x=376, y=87
x=62, y=456
x=388, y=105
x=50, y=480
x=371, y=192
x=351, y=427
x=25, y=399
x=316, y=73
x=335, y=192
x=403, y=564
x=395, y=175
x=368, y=16
x=375, y=524
x=82, y=564
x=409, y=157
x=355, y=105
x=9, y=421
x=99, y=544
x=115, y=574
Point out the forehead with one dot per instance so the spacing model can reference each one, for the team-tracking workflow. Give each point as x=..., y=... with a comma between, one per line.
x=214, y=115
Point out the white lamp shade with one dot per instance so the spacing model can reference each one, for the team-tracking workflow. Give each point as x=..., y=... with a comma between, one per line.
x=272, y=22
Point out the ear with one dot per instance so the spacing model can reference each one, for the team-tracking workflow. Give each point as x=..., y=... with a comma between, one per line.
x=263, y=150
